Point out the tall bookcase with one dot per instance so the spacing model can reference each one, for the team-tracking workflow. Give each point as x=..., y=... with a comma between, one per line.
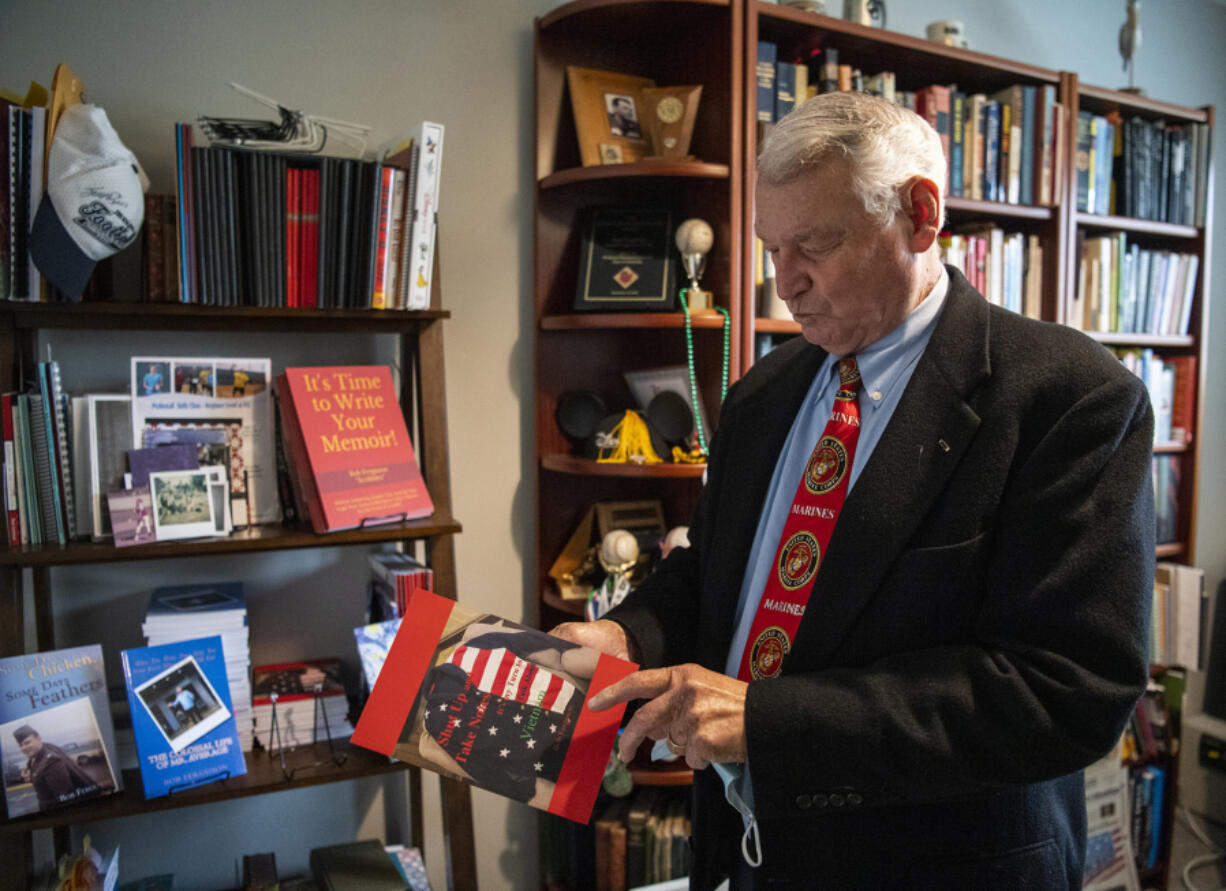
x=423, y=402
x=716, y=44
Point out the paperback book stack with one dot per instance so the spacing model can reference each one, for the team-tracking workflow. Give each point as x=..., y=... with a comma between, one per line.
x=181, y=612
x=394, y=579
x=308, y=700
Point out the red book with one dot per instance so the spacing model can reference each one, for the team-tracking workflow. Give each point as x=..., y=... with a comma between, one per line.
x=353, y=453
x=310, y=237
x=1183, y=404
x=10, y=473
x=489, y=702
x=378, y=299
x=293, y=225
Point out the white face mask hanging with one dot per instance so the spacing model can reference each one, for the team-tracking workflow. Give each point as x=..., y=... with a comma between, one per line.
x=732, y=779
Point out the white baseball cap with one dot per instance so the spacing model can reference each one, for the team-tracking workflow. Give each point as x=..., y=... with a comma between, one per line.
x=94, y=205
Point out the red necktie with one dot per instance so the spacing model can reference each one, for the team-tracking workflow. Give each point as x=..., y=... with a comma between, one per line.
x=807, y=531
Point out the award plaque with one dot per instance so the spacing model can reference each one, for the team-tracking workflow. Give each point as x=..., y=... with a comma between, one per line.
x=670, y=113
x=627, y=262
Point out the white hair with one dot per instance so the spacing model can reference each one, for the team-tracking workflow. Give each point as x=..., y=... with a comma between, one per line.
x=886, y=145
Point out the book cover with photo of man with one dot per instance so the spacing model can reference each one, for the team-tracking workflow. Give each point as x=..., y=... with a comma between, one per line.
x=490, y=702
x=57, y=741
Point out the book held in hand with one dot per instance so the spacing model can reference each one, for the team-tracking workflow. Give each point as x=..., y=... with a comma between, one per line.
x=351, y=461
x=57, y=740
x=182, y=715
x=486, y=701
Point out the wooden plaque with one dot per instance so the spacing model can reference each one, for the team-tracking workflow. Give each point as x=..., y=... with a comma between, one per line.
x=670, y=113
x=608, y=115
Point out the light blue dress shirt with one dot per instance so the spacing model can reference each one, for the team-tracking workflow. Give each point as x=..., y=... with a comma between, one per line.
x=885, y=369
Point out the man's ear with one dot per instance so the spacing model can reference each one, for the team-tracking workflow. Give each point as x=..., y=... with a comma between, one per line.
x=922, y=206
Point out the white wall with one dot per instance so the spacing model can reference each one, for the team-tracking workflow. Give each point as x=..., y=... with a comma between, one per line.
x=468, y=64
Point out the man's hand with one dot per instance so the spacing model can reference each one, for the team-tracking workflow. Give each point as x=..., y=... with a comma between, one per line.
x=603, y=635
x=697, y=710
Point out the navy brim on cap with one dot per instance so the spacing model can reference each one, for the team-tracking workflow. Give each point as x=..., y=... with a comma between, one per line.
x=57, y=255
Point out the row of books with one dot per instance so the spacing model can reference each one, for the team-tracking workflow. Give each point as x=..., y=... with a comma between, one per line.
x=1167, y=473
x=38, y=487
x=1171, y=382
x=642, y=839
x=1006, y=267
x=1147, y=799
x=1178, y=616
x=272, y=229
x=22, y=157
x=1147, y=170
x=1006, y=146
x=1125, y=288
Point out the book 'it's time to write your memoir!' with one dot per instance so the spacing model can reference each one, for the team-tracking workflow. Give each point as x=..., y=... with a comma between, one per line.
x=486, y=701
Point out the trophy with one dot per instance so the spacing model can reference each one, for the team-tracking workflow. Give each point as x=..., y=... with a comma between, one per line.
x=670, y=113
x=694, y=239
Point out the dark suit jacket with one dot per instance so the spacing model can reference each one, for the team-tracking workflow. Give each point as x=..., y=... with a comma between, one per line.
x=976, y=633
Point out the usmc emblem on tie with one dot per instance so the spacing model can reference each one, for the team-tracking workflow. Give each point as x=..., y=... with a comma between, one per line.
x=798, y=560
x=826, y=466
x=766, y=657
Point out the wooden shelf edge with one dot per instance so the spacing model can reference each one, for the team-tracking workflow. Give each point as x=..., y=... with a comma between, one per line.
x=579, y=7
x=253, y=540
x=588, y=467
x=1131, y=101
x=179, y=316
x=697, y=169
x=1116, y=338
x=999, y=208
x=1171, y=549
x=663, y=775
x=1131, y=224
x=763, y=325
x=263, y=776
x=607, y=320
x=560, y=603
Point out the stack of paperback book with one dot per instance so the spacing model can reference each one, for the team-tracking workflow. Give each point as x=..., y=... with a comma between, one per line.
x=180, y=612
x=394, y=579
x=307, y=700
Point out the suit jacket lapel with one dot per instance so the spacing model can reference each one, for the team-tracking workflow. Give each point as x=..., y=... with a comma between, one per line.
x=909, y=468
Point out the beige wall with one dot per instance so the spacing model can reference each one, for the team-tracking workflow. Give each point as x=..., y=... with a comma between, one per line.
x=466, y=63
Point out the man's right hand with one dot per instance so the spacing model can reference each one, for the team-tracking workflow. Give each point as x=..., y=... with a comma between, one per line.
x=603, y=635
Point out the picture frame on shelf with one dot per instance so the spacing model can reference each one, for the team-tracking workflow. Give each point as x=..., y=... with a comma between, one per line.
x=627, y=261
x=608, y=110
x=182, y=503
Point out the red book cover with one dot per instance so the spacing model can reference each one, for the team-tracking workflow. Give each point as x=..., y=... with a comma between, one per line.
x=310, y=238
x=489, y=702
x=1183, y=404
x=360, y=460
x=293, y=224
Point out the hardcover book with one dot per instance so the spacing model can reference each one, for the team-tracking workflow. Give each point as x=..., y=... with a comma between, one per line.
x=486, y=701
x=349, y=447
x=57, y=741
x=182, y=715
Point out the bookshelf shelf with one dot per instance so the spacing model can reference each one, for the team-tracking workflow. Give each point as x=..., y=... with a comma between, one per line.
x=587, y=467
x=263, y=776
x=575, y=175
x=251, y=540
x=775, y=326
x=994, y=209
x=178, y=317
x=1091, y=221
x=606, y=321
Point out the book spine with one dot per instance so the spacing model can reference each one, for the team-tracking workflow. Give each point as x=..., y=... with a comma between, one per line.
x=43, y=470
x=410, y=221
x=767, y=57
x=27, y=484
x=155, y=249
x=10, y=472
x=426, y=216
x=383, y=236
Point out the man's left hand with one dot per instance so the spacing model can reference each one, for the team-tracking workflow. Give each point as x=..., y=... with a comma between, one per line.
x=698, y=710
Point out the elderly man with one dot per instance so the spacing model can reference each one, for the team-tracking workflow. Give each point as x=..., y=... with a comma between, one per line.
x=915, y=602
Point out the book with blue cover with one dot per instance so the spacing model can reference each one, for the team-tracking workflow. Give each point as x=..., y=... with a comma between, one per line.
x=57, y=741
x=182, y=715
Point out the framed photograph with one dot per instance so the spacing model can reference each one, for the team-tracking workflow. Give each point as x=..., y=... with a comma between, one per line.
x=182, y=703
x=131, y=516
x=627, y=260
x=608, y=115
x=182, y=504
x=642, y=519
x=644, y=385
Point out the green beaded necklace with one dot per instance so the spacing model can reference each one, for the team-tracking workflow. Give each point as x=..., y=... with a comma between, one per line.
x=689, y=358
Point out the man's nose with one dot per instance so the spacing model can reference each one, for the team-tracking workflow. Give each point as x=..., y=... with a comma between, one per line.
x=790, y=278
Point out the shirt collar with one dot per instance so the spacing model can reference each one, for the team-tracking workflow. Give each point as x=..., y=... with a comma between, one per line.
x=882, y=364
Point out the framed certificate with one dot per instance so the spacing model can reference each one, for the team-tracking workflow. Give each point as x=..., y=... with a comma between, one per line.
x=627, y=260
